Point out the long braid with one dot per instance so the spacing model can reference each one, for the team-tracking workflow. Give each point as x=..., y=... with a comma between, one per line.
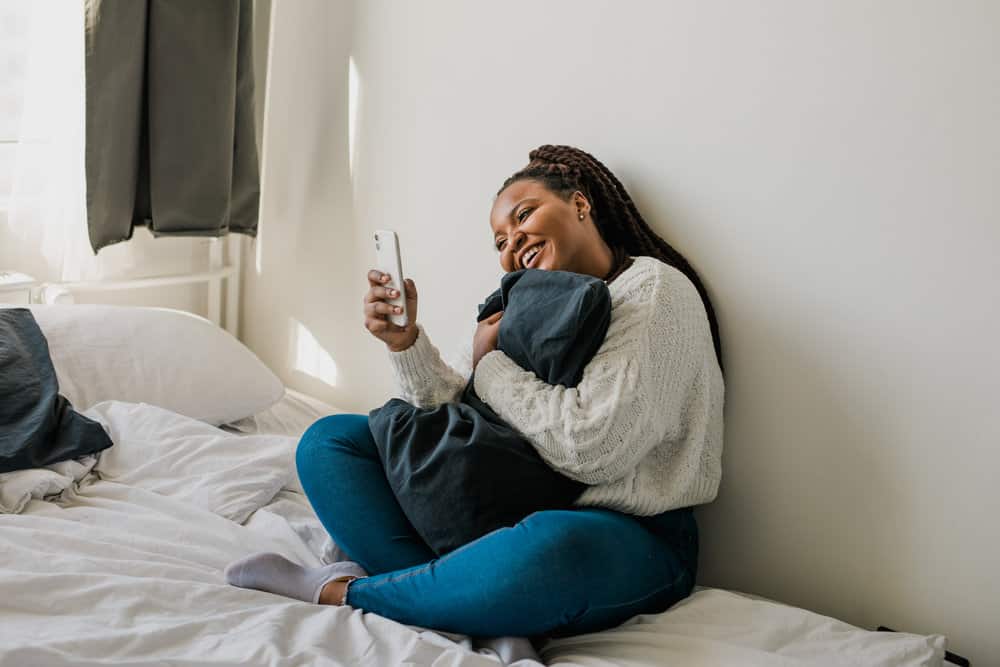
x=565, y=170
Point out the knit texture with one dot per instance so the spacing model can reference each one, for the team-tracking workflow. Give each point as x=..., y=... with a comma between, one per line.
x=643, y=427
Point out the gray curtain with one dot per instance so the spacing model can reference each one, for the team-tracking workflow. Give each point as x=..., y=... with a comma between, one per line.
x=170, y=137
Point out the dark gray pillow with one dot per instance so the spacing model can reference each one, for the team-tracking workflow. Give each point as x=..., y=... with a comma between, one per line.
x=38, y=427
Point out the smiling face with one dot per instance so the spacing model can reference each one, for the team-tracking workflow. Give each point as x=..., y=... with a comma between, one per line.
x=535, y=228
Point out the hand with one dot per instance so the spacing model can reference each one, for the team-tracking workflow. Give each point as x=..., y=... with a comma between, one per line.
x=377, y=311
x=485, y=340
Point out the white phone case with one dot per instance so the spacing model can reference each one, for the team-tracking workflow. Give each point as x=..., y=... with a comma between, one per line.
x=387, y=261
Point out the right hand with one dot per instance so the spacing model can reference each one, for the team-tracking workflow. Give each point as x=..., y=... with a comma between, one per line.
x=485, y=340
x=377, y=312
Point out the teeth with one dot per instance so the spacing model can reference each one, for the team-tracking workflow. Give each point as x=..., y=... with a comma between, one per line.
x=531, y=253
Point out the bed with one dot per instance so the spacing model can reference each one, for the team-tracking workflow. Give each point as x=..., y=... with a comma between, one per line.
x=117, y=558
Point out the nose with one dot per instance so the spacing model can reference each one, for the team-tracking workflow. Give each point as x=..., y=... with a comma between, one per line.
x=517, y=240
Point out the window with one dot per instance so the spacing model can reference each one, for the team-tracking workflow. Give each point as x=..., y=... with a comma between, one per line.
x=13, y=60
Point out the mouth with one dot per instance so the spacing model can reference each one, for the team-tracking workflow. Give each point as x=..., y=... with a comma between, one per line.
x=529, y=258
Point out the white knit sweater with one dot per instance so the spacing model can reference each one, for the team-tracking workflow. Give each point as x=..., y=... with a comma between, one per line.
x=643, y=427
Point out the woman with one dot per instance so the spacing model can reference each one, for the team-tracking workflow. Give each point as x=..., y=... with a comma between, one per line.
x=643, y=429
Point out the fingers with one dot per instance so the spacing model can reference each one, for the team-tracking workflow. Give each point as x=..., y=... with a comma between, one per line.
x=491, y=320
x=378, y=293
x=380, y=327
x=381, y=308
x=379, y=290
x=376, y=277
x=377, y=310
x=375, y=325
x=383, y=328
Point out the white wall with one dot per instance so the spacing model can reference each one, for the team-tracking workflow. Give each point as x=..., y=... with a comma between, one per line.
x=829, y=167
x=296, y=277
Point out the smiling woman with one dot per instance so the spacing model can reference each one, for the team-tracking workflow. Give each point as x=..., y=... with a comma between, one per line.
x=641, y=432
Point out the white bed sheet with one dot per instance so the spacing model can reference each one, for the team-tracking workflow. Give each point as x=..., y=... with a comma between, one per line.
x=124, y=567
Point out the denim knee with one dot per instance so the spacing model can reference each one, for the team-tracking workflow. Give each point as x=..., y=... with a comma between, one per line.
x=588, y=541
x=570, y=537
x=327, y=433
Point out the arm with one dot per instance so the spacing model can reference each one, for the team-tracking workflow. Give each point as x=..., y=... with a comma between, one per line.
x=422, y=376
x=631, y=397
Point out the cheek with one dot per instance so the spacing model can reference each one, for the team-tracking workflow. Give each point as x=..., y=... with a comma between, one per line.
x=558, y=228
x=507, y=261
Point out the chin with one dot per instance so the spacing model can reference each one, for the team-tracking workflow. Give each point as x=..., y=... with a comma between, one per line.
x=548, y=264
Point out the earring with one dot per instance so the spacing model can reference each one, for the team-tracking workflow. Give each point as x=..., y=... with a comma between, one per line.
x=581, y=216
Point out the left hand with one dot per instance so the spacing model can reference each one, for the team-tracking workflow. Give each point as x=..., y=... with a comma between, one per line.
x=485, y=340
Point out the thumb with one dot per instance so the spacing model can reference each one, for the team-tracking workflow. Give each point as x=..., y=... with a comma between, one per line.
x=495, y=317
x=411, y=297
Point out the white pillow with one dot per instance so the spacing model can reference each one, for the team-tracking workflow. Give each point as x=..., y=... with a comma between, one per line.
x=169, y=358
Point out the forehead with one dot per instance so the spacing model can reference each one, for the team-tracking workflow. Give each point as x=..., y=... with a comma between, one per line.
x=508, y=199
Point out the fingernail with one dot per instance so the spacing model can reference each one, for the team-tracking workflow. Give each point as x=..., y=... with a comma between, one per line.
x=384, y=277
x=393, y=292
x=398, y=309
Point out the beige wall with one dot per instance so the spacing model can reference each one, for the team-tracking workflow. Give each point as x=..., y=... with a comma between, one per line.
x=829, y=167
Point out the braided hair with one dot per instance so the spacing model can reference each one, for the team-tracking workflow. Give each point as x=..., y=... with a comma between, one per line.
x=565, y=170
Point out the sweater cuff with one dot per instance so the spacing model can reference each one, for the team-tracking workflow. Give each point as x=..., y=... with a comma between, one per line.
x=416, y=361
x=495, y=372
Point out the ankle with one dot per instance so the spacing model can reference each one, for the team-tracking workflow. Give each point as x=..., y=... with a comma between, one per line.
x=334, y=592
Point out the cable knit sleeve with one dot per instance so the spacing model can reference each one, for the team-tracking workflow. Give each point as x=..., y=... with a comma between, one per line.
x=633, y=393
x=423, y=378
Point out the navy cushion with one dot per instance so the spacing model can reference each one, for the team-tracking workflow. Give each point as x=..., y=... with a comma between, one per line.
x=38, y=427
x=458, y=470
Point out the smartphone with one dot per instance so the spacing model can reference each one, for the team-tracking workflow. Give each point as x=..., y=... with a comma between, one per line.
x=387, y=261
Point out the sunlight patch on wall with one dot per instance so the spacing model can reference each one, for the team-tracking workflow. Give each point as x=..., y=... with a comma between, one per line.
x=353, y=88
x=309, y=357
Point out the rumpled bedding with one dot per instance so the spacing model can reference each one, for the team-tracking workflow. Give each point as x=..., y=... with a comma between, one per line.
x=20, y=486
x=117, y=560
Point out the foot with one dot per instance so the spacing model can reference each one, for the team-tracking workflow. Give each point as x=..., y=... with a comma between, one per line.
x=274, y=573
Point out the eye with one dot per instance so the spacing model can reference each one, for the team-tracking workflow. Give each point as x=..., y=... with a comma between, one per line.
x=501, y=244
x=524, y=213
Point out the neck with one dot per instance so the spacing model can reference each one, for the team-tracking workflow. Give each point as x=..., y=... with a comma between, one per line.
x=622, y=262
x=600, y=264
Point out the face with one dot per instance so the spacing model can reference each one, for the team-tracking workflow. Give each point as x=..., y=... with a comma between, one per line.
x=535, y=228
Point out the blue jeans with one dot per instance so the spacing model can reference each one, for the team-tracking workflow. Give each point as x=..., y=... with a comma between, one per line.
x=557, y=572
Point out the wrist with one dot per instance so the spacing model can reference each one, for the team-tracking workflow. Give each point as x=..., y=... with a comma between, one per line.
x=407, y=344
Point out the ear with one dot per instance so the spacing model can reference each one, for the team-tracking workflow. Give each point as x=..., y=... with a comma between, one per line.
x=581, y=204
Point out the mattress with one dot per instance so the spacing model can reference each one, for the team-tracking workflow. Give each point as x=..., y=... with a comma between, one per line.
x=118, y=559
